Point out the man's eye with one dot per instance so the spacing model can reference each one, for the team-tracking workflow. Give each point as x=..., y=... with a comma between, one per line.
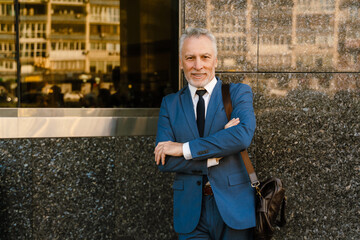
x=189, y=58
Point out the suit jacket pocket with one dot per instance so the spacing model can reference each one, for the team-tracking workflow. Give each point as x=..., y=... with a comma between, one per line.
x=178, y=185
x=237, y=179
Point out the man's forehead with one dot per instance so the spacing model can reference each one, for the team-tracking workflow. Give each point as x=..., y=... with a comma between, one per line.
x=199, y=45
x=197, y=38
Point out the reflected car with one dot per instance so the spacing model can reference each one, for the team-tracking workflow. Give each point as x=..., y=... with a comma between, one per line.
x=6, y=97
x=73, y=99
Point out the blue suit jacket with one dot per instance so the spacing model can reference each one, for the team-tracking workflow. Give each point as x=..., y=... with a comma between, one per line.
x=229, y=180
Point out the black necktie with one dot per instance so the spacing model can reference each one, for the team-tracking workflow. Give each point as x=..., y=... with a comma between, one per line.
x=200, y=112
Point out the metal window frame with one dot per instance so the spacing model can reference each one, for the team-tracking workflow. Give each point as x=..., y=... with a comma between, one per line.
x=77, y=122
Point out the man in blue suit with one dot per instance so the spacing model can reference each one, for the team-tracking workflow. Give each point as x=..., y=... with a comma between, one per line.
x=213, y=197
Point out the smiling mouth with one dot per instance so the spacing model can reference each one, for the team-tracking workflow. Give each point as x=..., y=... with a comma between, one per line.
x=197, y=75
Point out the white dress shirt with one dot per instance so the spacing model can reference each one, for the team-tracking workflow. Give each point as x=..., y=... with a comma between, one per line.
x=195, y=98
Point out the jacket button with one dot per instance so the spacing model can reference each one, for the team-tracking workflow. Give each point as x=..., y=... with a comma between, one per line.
x=198, y=183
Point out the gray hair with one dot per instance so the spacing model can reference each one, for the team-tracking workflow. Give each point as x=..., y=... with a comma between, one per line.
x=197, y=32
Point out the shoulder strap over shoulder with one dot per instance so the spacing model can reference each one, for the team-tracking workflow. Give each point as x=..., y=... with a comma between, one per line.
x=225, y=90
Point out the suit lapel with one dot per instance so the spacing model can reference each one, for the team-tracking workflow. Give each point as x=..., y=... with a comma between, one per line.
x=215, y=100
x=187, y=106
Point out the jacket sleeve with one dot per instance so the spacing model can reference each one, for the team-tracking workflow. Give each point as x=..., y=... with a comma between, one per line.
x=231, y=140
x=175, y=164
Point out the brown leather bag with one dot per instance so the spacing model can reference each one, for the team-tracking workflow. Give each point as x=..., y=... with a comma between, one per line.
x=270, y=194
x=271, y=201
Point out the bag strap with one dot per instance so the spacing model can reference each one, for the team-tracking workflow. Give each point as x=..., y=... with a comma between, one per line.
x=225, y=90
x=282, y=220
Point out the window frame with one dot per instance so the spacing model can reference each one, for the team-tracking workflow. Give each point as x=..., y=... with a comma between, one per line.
x=80, y=122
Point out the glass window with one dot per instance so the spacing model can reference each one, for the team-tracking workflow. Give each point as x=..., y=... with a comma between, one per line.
x=8, y=81
x=149, y=52
x=126, y=51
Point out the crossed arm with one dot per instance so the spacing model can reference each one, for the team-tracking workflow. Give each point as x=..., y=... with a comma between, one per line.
x=237, y=136
x=175, y=149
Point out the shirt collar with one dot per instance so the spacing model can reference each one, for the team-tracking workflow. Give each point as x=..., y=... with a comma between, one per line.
x=209, y=88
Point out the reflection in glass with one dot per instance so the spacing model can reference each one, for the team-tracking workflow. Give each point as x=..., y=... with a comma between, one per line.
x=282, y=35
x=70, y=53
x=59, y=67
x=7, y=55
x=149, y=62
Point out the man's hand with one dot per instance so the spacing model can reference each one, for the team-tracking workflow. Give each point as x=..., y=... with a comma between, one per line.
x=232, y=122
x=167, y=148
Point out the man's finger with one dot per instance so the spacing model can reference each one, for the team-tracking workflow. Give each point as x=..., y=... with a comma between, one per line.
x=157, y=158
x=163, y=158
x=157, y=151
x=232, y=122
x=158, y=155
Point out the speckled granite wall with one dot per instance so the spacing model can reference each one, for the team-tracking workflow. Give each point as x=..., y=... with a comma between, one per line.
x=83, y=188
x=302, y=62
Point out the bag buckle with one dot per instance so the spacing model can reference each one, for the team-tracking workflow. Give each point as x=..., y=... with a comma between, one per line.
x=256, y=186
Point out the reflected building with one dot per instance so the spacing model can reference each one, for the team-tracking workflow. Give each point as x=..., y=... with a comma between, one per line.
x=316, y=35
x=230, y=31
x=349, y=35
x=7, y=43
x=62, y=42
x=229, y=22
x=68, y=31
x=7, y=54
x=299, y=34
x=284, y=35
x=75, y=44
x=104, y=54
x=275, y=35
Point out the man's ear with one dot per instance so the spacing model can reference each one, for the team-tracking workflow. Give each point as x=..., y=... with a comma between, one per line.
x=216, y=62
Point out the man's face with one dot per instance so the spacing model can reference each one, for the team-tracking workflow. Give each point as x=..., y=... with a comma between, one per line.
x=198, y=61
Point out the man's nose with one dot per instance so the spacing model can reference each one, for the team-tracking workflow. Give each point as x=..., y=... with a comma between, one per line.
x=198, y=64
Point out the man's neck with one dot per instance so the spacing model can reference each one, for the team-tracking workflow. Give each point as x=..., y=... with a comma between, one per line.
x=209, y=87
